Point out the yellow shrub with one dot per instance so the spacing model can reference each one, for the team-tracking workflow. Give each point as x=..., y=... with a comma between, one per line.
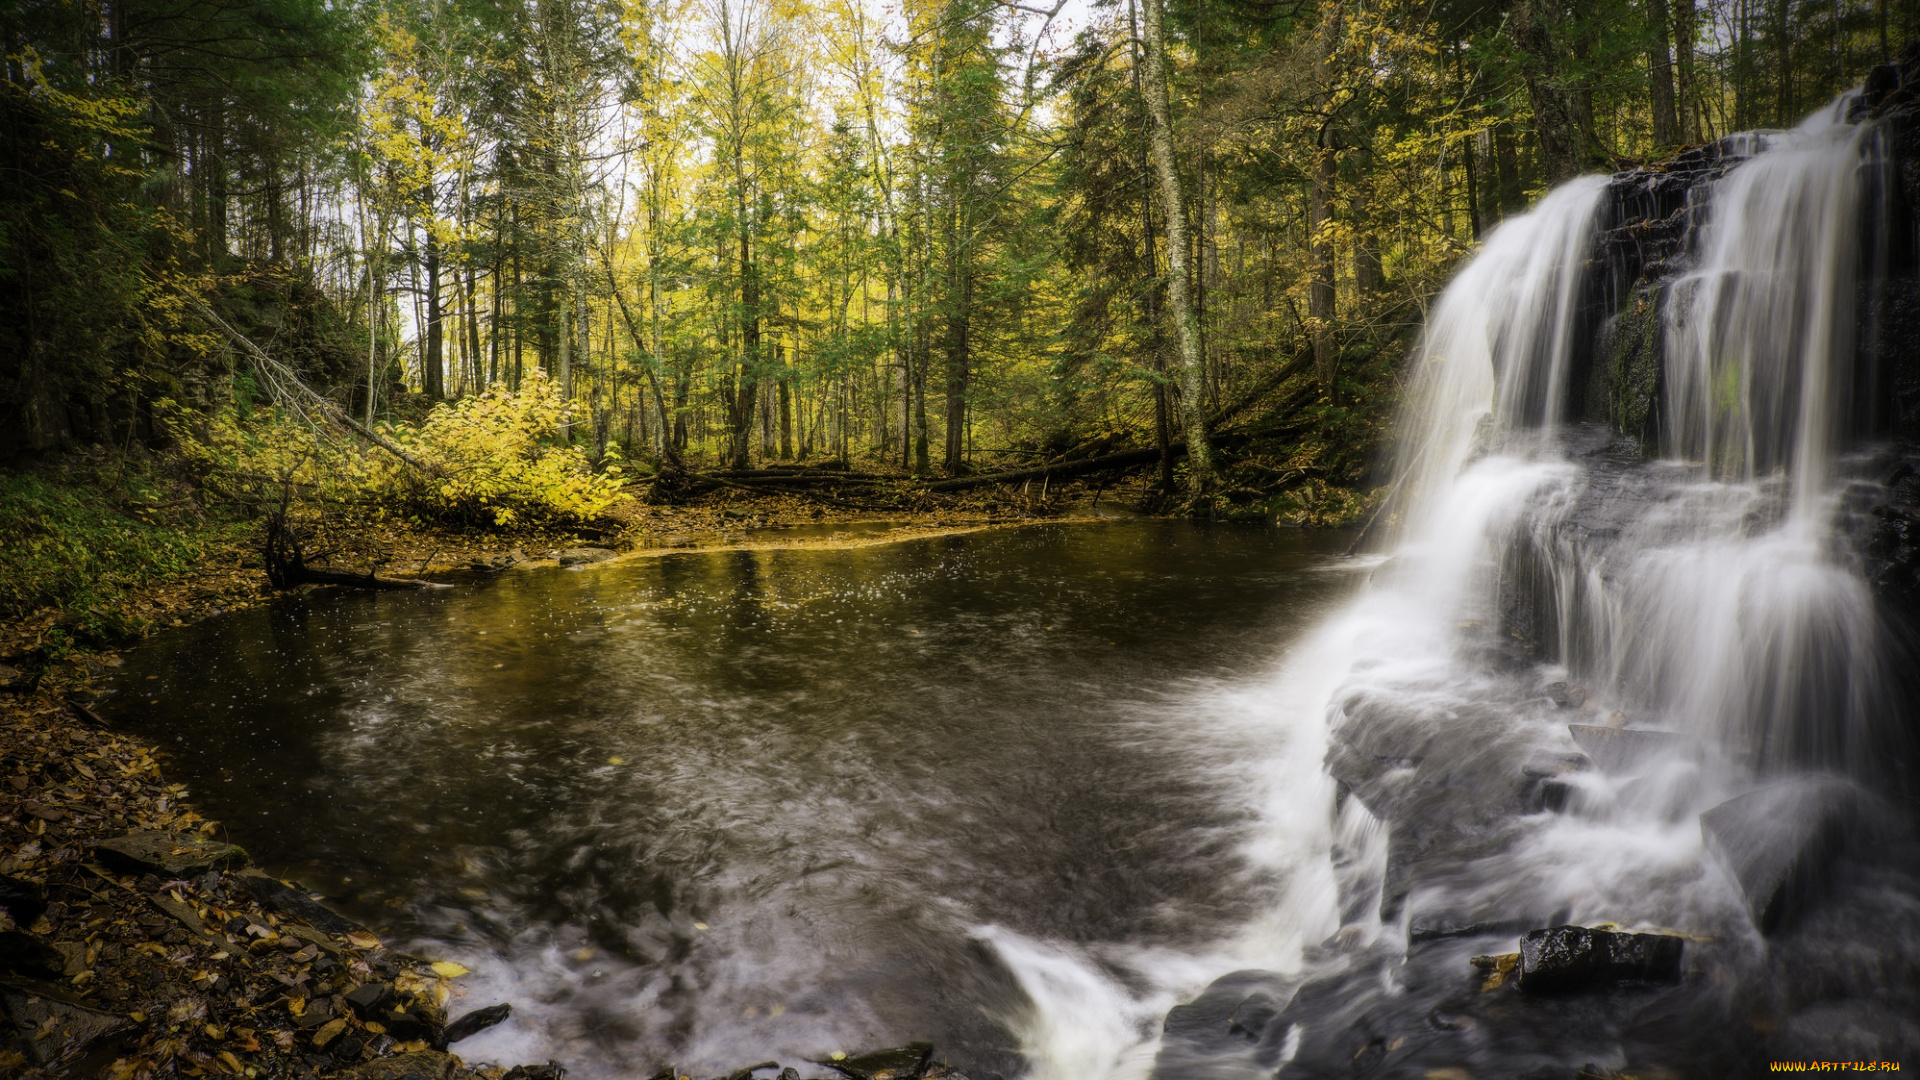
x=498, y=458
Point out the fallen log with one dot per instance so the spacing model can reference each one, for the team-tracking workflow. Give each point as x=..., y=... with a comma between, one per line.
x=1121, y=460
x=287, y=567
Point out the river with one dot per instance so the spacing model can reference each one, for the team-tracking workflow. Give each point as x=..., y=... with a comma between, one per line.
x=1010, y=792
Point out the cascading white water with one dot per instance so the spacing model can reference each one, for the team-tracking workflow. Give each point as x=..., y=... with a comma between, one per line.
x=1759, y=331
x=1708, y=596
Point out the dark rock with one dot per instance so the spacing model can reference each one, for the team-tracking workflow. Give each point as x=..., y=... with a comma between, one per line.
x=1566, y=695
x=407, y=1025
x=1571, y=959
x=900, y=1063
x=1623, y=750
x=552, y=1070
x=319, y=1011
x=21, y=900
x=577, y=556
x=421, y=1065
x=1778, y=843
x=24, y=954
x=1548, y=794
x=172, y=855
x=290, y=900
x=371, y=1000
x=54, y=1027
x=1254, y=1014
x=475, y=1022
x=747, y=1073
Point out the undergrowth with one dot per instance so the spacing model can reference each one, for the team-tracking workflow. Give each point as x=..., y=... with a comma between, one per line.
x=84, y=543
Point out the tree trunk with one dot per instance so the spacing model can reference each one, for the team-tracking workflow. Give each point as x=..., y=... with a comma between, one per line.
x=430, y=364
x=1686, y=100
x=1556, y=112
x=1320, y=296
x=1666, y=119
x=1173, y=207
x=922, y=461
x=1513, y=198
x=747, y=389
x=786, y=418
x=1367, y=275
x=1783, y=62
x=959, y=311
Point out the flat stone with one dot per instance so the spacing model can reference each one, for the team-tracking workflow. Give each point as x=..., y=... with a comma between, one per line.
x=54, y=1028
x=900, y=1063
x=422, y=1065
x=371, y=1000
x=168, y=854
x=576, y=556
x=1624, y=750
x=1778, y=843
x=499, y=560
x=1572, y=959
x=295, y=902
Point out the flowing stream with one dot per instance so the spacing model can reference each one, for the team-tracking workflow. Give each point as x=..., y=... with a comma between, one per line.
x=1153, y=799
x=716, y=808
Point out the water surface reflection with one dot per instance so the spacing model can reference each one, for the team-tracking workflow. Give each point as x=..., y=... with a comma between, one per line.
x=719, y=807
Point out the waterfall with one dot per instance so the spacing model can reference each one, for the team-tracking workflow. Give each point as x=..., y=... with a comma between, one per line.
x=1711, y=593
x=1615, y=598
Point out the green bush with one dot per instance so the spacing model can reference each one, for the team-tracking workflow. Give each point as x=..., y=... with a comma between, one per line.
x=77, y=549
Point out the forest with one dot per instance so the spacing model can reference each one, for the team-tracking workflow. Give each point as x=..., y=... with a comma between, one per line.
x=946, y=237
x=574, y=528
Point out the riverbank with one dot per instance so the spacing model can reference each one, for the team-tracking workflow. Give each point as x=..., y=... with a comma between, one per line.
x=136, y=943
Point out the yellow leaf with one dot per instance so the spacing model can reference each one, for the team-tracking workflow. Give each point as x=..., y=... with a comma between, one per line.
x=362, y=940
x=448, y=968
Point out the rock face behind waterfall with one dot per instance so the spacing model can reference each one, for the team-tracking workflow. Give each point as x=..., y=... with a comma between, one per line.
x=1643, y=672
x=1654, y=211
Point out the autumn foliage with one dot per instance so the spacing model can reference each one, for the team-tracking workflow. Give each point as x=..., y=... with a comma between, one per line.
x=497, y=458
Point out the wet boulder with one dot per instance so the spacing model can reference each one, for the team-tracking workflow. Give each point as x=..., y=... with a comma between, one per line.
x=168, y=854
x=1565, y=695
x=1575, y=959
x=473, y=1023
x=1778, y=843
